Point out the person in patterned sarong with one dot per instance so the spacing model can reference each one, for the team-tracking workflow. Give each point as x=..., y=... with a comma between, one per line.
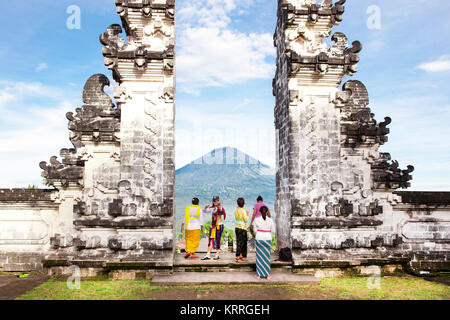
x=264, y=227
x=218, y=217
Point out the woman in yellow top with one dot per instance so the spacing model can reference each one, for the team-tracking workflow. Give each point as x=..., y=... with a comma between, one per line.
x=241, y=216
x=194, y=223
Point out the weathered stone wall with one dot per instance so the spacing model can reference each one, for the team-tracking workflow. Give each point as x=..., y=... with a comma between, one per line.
x=423, y=221
x=28, y=219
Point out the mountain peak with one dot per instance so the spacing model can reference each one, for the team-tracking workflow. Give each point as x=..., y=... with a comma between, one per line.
x=227, y=156
x=227, y=172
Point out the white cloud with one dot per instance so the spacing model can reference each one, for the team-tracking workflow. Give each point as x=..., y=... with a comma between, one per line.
x=212, y=54
x=33, y=127
x=5, y=97
x=440, y=65
x=206, y=13
x=21, y=90
x=41, y=67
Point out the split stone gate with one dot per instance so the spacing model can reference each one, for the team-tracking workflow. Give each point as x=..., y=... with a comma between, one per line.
x=111, y=204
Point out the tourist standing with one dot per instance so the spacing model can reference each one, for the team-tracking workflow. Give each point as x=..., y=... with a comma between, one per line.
x=264, y=228
x=218, y=217
x=193, y=223
x=241, y=216
x=256, y=210
x=221, y=216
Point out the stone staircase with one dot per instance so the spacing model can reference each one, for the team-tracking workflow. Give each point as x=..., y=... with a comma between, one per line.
x=226, y=271
x=226, y=263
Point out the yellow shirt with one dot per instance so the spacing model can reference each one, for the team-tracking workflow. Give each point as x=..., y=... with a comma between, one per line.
x=241, y=218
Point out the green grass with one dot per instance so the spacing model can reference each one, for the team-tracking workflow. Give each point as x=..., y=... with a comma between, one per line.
x=391, y=288
x=90, y=290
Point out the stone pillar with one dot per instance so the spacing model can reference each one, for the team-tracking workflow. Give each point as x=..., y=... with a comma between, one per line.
x=144, y=68
x=329, y=189
x=120, y=176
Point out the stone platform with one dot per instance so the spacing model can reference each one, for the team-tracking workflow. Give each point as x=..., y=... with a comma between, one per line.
x=228, y=278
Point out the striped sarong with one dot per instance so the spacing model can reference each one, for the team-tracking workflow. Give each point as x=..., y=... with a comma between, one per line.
x=215, y=237
x=219, y=236
x=263, y=248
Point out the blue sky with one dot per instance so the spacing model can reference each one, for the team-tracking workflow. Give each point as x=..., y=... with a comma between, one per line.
x=225, y=66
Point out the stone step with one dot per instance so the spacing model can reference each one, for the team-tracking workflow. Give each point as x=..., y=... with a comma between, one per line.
x=229, y=278
x=226, y=263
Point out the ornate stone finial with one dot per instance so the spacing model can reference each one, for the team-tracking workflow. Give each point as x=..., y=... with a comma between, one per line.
x=338, y=55
x=316, y=11
x=359, y=126
x=338, y=11
x=94, y=94
x=70, y=171
x=146, y=8
x=110, y=38
x=122, y=7
x=150, y=31
x=112, y=44
x=97, y=119
x=387, y=175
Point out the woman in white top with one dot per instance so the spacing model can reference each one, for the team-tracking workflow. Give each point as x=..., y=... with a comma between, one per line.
x=264, y=228
x=193, y=223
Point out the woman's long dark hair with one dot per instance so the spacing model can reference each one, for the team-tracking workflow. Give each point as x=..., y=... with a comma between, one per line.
x=264, y=211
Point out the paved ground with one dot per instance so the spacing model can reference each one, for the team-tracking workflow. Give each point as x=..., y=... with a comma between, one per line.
x=11, y=286
x=247, y=293
x=229, y=278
